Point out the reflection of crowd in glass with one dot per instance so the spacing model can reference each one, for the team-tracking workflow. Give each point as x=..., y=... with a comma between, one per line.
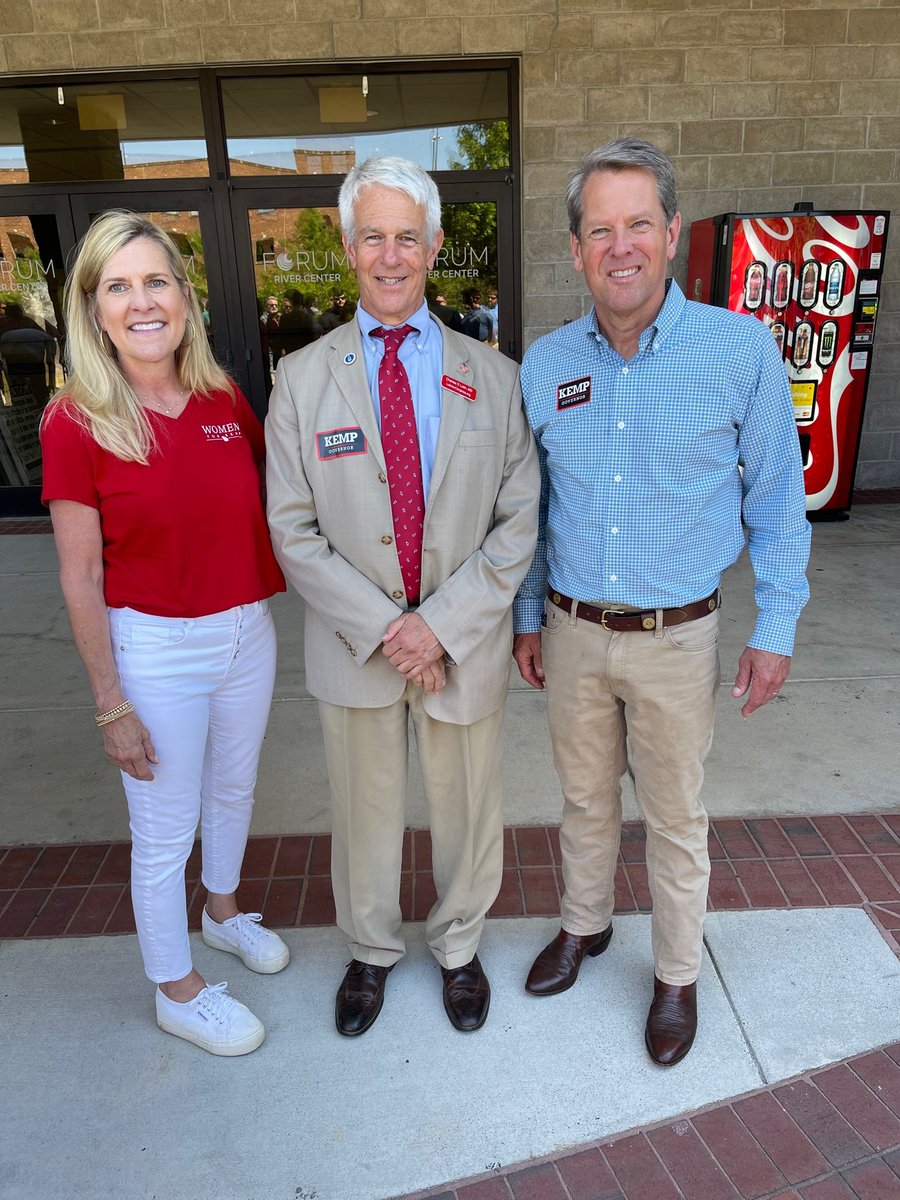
x=28, y=355
x=478, y=321
x=298, y=322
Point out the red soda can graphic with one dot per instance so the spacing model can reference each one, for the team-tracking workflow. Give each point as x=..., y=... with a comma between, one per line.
x=754, y=286
x=781, y=285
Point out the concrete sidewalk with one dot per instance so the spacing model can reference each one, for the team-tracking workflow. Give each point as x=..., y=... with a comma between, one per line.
x=829, y=744
x=98, y=1103
x=135, y=1113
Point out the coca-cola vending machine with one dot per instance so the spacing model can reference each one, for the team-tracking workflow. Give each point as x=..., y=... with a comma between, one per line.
x=814, y=278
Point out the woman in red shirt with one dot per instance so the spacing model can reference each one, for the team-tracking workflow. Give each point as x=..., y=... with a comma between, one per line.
x=151, y=473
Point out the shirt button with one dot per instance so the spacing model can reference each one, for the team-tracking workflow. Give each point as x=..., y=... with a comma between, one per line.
x=613, y=578
x=621, y=425
x=615, y=529
x=398, y=595
x=386, y=540
x=617, y=478
x=624, y=370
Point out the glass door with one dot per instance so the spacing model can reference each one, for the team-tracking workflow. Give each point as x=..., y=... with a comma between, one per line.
x=292, y=264
x=35, y=237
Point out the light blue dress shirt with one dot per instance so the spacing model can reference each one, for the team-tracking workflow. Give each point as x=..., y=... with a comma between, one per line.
x=648, y=466
x=422, y=354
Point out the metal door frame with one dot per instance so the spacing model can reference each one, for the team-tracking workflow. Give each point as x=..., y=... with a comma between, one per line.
x=321, y=192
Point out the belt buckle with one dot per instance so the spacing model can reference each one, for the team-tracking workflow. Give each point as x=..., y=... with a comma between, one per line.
x=610, y=612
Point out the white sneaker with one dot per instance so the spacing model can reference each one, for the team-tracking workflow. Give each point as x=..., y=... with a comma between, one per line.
x=213, y=1020
x=257, y=947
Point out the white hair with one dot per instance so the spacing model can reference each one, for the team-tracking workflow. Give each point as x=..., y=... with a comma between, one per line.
x=399, y=174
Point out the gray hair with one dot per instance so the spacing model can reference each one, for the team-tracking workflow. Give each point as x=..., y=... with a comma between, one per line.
x=399, y=174
x=621, y=155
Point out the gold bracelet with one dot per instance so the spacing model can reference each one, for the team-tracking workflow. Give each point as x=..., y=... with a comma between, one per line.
x=120, y=710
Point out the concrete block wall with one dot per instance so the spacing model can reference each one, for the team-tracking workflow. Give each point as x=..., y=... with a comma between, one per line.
x=760, y=102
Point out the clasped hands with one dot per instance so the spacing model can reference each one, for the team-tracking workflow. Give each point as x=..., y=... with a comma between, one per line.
x=411, y=647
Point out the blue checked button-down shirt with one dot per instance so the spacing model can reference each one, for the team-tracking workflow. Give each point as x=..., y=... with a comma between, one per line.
x=641, y=492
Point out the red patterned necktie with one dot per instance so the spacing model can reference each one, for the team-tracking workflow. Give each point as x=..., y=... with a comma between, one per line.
x=400, y=441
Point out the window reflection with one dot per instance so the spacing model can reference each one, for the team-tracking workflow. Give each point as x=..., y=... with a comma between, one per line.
x=305, y=286
x=151, y=130
x=31, y=339
x=322, y=125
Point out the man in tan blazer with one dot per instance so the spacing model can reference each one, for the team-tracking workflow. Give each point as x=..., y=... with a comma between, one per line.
x=389, y=639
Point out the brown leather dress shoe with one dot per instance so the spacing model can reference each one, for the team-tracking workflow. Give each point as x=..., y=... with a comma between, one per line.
x=671, y=1022
x=360, y=997
x=467, y=996
x=556, y=967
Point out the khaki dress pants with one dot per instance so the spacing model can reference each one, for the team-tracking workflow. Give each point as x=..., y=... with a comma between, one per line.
x=366, y=751
x=647, y=698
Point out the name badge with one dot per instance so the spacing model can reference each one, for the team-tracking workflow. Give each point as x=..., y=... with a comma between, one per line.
x=457, y=385
x=578, y=391
x=338, y=443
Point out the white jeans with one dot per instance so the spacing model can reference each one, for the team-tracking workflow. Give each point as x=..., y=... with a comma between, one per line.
x=203, y=687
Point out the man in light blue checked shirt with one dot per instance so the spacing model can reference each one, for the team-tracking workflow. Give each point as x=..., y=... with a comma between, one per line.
x=660, y=423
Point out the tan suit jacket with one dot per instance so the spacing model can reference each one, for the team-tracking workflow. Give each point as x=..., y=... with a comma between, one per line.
x=330, y=516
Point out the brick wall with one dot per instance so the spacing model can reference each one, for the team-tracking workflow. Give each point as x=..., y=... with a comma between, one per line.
x=760, y=102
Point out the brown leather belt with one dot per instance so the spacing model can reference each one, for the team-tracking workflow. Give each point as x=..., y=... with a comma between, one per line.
x=633, y=622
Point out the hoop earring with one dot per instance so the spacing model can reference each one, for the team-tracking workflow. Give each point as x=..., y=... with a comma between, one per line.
x=188, y=342
x=106, y=345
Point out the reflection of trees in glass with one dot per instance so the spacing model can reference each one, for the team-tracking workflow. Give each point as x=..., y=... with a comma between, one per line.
x=192, y=252
x=315, y=248
x=31, y=292
x=471, y=229
x=483, y=146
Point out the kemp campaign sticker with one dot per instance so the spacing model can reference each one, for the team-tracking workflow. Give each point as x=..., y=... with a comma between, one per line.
x=457, y=385
x=337, y=443
x=570, y=394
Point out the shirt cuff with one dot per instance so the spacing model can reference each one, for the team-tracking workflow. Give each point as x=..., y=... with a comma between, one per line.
x=527, y=614
x=774, y=632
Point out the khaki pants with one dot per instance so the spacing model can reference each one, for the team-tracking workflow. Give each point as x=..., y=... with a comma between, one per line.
x=648, y=698
x=366, y=751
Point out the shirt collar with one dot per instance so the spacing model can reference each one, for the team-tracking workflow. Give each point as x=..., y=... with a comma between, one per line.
x=654, y=335
x=420, y=321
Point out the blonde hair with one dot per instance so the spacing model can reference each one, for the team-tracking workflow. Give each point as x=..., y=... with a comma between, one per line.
x=96, y=391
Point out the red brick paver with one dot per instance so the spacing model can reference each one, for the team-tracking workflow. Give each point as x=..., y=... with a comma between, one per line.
x=773, y=863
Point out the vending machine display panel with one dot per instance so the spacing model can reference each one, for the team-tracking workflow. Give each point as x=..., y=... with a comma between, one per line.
x=813, y=278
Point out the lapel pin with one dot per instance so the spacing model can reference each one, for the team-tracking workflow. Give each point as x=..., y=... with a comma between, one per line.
x=350, y=358
x=464, y=367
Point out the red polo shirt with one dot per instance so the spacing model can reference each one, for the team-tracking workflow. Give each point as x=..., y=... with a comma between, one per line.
x=186, y=534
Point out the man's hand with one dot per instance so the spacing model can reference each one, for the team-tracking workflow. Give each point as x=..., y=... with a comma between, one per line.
x=432, y=679
x=764, y=673
x=411, y=646
x=527, y=653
